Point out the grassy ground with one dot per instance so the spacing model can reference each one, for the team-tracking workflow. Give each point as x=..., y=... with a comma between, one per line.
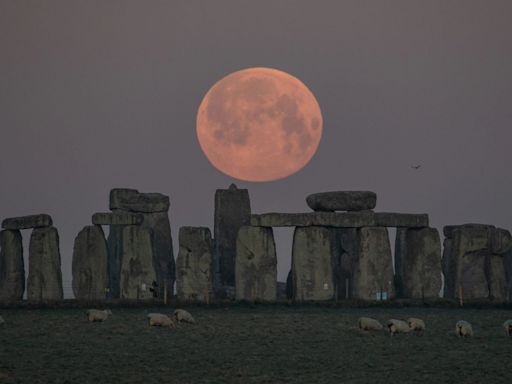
x=252, y=344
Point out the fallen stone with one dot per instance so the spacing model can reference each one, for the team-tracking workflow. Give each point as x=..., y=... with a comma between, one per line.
x=44, y=266
x=312, y=264
x=89, y=265
x=194, y=279
x=256, y=264
x=137, y=266
x=342, y=201
x=135, y=201
x=338, y=219
x=12, y=270
x=418, y=263
x=117, y=218
x=232, y=211
x=27, y=222
x=372, y=269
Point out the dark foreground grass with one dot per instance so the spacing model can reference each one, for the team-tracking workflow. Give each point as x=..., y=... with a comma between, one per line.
x=252, y=344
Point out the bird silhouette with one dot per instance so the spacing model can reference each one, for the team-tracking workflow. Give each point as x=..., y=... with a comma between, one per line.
x=416, y=166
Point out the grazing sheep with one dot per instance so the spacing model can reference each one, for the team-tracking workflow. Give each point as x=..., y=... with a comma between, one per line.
x=2, y=322
x=160, y=320
x=98, y=315
x=463, y=329
x=183, y=316
x=369, y=324
x=507, y=325
x=397, y=326
x=416, y=325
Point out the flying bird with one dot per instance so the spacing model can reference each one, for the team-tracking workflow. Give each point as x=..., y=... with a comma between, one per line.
x=416, y=166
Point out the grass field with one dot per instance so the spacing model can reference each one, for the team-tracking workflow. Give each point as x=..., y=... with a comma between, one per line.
x=252, y=344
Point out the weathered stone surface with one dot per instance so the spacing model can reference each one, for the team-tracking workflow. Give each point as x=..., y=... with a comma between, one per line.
x=44, y=271
x=472, y=276
x=312, y=264
x=135, y=201
x=346, y=260
x=372, y=269
x=194, y=277
x=137, y=266
x=27, y=222
x=89, y=266
x=256, y=264
x=232, y=211
x=12, y=270
x=501, y=241
x=165, y=267
x=340, y=219
x=418, y=263
x=342, y=201
x=471, y=261
x=115, y=254
x=117, y=218
x=507, y=260
x=496, y=278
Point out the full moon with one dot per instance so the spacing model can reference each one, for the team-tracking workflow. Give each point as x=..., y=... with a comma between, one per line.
x=259, y=124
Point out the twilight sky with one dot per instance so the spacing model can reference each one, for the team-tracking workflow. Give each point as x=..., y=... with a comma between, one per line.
x=103, y=94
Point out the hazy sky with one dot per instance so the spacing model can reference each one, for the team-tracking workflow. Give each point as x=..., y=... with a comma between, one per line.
x=103, y=94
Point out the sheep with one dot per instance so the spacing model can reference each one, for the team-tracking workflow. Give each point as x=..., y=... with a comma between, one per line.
x=160, y=320
x=508, y=327
x=369, y=324
x=98, y=315
x=463, y=329
x=183, y=316
x=397, y=326
x=416, y=325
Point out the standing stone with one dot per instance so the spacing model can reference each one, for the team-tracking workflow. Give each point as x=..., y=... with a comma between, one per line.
x=194, y=264
x=12, y=270
x=312, y=263
x=232, y=211
x=44, y=272
x=418, y=263
x=461, y=260
x=346, y=261
x=153, y=208
x=137, y=267
x=256, y=264
x=472, y=277
x=115, y=254
x=496, y=278
x=372, y=276
x=342, y=201
x=89, y=267
x=474, y=262
x=507, y=260
x=160, y=227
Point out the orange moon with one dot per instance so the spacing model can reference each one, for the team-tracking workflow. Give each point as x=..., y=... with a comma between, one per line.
x=259, y=124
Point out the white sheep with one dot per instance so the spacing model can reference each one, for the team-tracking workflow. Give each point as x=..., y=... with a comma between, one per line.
x=463, y=329
x=160, y=320
x=183, y=316
x=98, y=315
x=416, y=325
x=397, y=326
x=369, y=324
x=508, y=327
